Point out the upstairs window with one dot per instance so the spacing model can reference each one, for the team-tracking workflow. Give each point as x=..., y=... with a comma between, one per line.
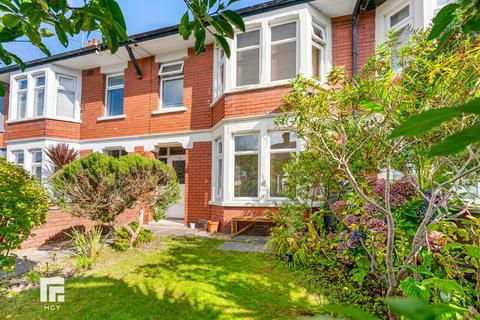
x=283, y=51
x=18, y=158
x=66, y=96
x=171, y=85
x=116, y=152
x=219, y=73
x=2, y=113
x=248, y=58
x=39, y=95
x=318, y=53
x=219, y=169
x=22, y=89
x=114, y=99
x=36, y=170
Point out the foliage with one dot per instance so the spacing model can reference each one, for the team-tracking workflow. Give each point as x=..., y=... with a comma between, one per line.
x=102, y=187
x=122, y=237
x=88, y=245
x=23, y=206
x=448, y=25
x=384, y=208
x=61, y=154
x=210, y=16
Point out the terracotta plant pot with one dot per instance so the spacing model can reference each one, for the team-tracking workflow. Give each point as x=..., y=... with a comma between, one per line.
x=212, y=226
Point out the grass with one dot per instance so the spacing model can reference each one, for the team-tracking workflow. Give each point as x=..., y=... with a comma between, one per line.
x=186, y=278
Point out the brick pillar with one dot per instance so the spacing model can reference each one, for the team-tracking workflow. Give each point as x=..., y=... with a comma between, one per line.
x=84, y=153
x=198, y=182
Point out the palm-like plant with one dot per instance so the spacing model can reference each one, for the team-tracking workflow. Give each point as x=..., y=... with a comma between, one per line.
x=61, y=154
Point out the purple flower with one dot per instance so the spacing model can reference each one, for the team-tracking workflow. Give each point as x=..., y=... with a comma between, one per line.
x=338, y=206
x=376, y=225
x=370, y=208
x=404, y=187
x=350, y=219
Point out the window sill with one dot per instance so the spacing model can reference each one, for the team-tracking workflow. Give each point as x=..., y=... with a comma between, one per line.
x=59, y=118
x=170, y=110
x=244, y=203
x=259, y=86
x=108, y=118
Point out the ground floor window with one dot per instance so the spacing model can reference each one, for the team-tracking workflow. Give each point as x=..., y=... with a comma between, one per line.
x=282, y=145
x=18, y=158
x=37, y=156
x=246, y=166
x=116, y=152
x=219, y=169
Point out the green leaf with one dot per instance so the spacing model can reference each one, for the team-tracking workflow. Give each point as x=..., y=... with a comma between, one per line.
x=184, y=28
x=351, y=312
x=224, y=44
x=457, y=142
x=46, y=33
x=370, y=105
x=234, y=18
x=473, y=251
x=11, y=20
x=472, y=106
x=423, y=122
x=199, y=39
x=62, y=36
x=442, y=20
x=410, y=308
x=414, y=289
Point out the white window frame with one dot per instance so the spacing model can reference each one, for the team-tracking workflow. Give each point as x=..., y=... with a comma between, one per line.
x=402, y=23
x=240, y=153
x=115, y=87
x=283, y=41
x=14, y=158
x=34, y=164
x=39, y=88
x=219, y=181
x=219, y=88
x=58, y=88
x=109, y=150
x=321, y=45
x=18, y=92
x=171, y=75
x=268, y=158
x=260, y=64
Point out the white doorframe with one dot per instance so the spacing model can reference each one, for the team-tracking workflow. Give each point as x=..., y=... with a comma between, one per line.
x=177, y=210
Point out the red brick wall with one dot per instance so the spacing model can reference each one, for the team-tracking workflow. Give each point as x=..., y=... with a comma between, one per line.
x=43, y=128
x=59, y=222
x=198, y=182
x=5, y=108
x=343, y=44
x=225, y=214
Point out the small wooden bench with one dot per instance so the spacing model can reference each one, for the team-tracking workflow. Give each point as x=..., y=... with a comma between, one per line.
x=251, y=221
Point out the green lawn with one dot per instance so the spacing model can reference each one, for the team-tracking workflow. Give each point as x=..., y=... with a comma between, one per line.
x=188, y=278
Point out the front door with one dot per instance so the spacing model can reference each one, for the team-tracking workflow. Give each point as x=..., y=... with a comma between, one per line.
x=176, y=210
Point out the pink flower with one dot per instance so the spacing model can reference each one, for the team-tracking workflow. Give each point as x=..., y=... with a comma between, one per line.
x=338, y=206
x=376, y=225
x=350, y=219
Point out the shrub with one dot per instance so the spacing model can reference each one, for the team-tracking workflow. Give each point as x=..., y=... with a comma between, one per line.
x=23, y=206
x=122, y=237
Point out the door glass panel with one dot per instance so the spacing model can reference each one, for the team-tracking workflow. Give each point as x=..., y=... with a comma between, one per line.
x=179, y=166
x=175, y=151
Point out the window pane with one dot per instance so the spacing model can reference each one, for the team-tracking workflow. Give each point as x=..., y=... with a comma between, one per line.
x=246, y=175
x=219, y=177
x=444, y=2
x=284, y=61
x=315, y=62
x=39, y=81
x=37, y=172
x=278, y=178
x=283, y=140
x=162, y=151
x=248, y=39
x=175, y=151
x=284, y=31
x=400, y=16
x=172, y=93
x=22, y=105
x=246, y=143
x=248, y=67
x=37, y=156
x=318, y=32
x=19, y=158
x=22, y=84
x=164, y=160
x=67, y=84
x=115, y=102
x=219, y=147
x=115, y=81
x=65, y=103
x=39, y=102
x=172, y=68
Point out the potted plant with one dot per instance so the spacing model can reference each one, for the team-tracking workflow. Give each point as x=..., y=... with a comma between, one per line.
x=212, y=226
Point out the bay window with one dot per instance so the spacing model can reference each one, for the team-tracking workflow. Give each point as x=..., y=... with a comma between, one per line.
x=282, y=145
x=39, y=95
x=219, y=73
x=66, y=96
x=246, y=165
x=283, y=51
x=171, y=85
x=318, y=53
x=114, y=96
x=22, y=90
x=36, y=169
x=248, y=58
x=18, y=158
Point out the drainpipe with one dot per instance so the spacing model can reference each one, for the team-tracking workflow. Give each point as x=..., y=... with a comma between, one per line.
x=358, y=9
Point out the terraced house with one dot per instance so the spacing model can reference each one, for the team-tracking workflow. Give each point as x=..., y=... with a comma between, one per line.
x=209, y=117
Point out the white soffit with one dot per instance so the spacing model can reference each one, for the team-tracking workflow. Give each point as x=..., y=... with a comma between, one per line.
x=334, y=8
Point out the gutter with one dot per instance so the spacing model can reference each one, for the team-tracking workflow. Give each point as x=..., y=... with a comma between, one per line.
x=360, y=7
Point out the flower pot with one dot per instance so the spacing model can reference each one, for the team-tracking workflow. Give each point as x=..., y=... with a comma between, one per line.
x=212, y=226
x=192, y=225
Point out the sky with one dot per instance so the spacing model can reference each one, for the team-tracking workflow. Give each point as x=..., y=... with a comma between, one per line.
x=140, y=16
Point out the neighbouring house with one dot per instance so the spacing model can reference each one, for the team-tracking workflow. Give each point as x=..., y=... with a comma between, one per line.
x=209, y=117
